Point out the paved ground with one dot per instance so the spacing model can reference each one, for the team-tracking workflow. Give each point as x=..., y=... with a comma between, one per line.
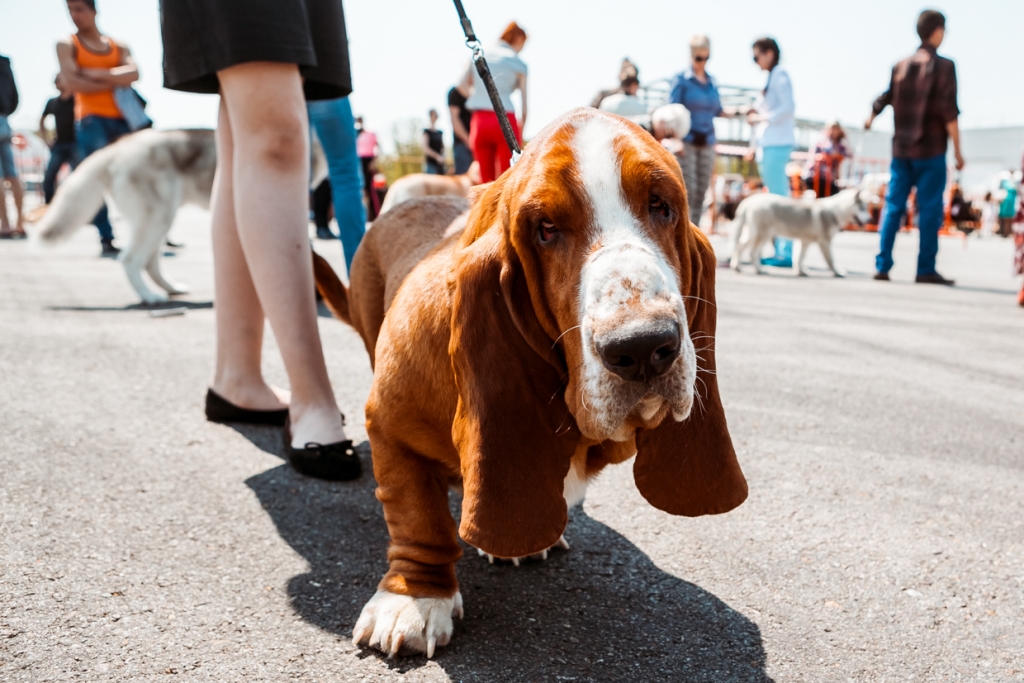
x=881, y=427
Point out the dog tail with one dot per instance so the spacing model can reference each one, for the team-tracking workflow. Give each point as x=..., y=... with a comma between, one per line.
x=79, y=197
x=331, y=288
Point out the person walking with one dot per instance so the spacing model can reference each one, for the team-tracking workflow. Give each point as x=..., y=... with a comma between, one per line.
x=265, y=70
x=336, y=129
x=697, y=90
x=433, y=147
x=64, y=149
x=773, y=117
x=92, y=65
x=367, y=149
x=462, y=153
x=8, y=171
x=509, y=72
x=922, y=92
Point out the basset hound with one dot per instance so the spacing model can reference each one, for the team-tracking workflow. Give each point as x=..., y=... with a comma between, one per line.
x=564, y=323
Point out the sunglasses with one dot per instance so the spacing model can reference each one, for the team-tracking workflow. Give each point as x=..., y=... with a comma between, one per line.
x=700, y=58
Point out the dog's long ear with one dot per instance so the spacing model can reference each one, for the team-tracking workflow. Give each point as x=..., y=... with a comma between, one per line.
x=514, y=433
x=689, y=467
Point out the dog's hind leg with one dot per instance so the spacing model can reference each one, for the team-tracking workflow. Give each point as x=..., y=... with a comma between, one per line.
x=826, y=251
x=153, y=263
x=144, y=249
x=756, y=238
x=153, y=268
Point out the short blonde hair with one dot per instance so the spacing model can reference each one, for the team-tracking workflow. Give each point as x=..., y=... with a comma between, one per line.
x=700, y=42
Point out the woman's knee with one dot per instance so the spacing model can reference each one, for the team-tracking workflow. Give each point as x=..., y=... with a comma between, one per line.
x=281, y=144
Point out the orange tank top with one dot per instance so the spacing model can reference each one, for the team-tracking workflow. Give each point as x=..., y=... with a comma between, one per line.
x=96, y=103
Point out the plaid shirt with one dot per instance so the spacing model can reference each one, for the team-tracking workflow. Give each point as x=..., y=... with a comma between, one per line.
x=922, y=93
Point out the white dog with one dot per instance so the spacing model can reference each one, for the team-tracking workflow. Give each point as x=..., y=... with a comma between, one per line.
x=762, y=217
x=148, y=176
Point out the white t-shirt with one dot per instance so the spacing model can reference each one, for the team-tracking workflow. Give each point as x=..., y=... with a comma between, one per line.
x=505, y=67
x=623, y=105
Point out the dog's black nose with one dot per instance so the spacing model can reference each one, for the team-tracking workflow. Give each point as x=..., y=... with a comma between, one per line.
x=641, y=354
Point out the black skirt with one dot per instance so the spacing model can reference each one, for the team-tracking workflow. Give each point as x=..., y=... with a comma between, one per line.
x=201, y=37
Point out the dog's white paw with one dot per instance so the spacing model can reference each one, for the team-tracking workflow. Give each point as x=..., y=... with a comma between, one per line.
x=542, y=555
x=153, y=298
x=177, y=288
x=392, y=622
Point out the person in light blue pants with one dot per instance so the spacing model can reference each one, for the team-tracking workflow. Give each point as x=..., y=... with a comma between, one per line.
x=336, y=128
x=775, y=135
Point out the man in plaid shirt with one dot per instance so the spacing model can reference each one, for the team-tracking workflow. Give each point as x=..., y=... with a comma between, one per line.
x=922, y=93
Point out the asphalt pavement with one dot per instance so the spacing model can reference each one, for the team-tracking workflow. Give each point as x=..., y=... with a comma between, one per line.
x=880, y=426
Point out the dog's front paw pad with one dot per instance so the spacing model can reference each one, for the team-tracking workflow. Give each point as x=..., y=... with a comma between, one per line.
x=398, y=624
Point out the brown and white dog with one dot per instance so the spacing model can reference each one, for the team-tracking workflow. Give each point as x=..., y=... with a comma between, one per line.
x=430, y=185
x=566, y=323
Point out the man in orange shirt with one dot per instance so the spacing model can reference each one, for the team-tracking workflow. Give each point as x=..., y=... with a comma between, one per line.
x=93, y=65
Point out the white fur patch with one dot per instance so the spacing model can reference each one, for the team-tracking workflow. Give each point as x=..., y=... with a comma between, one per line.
x=391, y=622
x=574, y=488
x=627, y=265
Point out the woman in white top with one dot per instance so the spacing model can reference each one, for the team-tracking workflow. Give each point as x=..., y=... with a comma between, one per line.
x=774, y=138
x=509, y=72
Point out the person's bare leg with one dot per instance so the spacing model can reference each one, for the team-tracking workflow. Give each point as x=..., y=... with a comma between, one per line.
x=270, y=135
x=5, y=225
x=239, y=316
x=18, y=191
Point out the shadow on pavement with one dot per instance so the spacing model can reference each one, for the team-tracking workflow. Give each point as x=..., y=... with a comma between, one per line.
x=173, y=303
x=601, y=611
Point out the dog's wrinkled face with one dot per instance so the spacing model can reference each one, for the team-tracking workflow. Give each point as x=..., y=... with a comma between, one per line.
x=597, y=221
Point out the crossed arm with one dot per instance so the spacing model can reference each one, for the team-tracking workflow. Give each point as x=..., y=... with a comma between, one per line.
x=95, y=80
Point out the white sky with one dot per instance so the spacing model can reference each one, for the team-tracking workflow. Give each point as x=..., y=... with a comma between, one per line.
x=407, y=53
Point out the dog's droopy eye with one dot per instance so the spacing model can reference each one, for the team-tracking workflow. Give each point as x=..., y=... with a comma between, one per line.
x=658, y=207
x=547, y=231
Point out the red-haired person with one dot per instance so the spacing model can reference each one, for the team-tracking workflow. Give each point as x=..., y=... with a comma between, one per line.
x=509, y=72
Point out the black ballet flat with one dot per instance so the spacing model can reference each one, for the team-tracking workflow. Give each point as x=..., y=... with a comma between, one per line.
x=219, y=409
x=331, y=462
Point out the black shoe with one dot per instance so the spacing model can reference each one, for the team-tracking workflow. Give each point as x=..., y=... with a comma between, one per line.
x=173, y=245
x=934, y=279
x=219, y=409
x=109, y=250
x=325, y=234
x=881, y=276
x=333, y=462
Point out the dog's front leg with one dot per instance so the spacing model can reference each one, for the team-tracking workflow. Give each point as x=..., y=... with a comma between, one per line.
x=826, y=251
x=415, y=601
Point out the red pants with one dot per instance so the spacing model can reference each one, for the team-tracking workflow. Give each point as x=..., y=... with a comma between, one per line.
x=489, y=147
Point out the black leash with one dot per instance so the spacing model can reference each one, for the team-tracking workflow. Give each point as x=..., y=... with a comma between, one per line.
x=485, y=75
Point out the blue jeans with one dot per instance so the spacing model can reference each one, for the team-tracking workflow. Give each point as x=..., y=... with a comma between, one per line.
x=929, y=177
x=61, y=153
x=773, y=172
x=335, y=126
x=463, y=156
x=94, y=133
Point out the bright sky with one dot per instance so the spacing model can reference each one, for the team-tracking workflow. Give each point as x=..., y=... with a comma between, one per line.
x=407, y=53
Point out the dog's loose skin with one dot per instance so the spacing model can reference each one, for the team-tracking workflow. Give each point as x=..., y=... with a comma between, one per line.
x=483, y=343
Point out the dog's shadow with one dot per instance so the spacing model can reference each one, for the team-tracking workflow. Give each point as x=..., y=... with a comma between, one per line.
x=601, y=611
x=163, y=305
